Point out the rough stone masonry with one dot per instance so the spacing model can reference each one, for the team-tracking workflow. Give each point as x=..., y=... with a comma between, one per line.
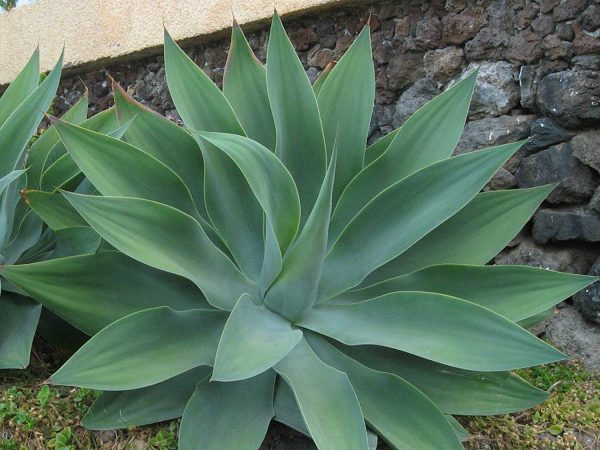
x=539, y=77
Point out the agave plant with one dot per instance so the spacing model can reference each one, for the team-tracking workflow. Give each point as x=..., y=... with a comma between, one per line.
x=22, y=108
x=267, y=264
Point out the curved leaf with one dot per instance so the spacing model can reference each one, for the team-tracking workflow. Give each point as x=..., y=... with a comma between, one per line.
x=165, y=141
x=453, y=390
x=109, y=163
x=427, y=137
x=18, y=323
x=254, y=339
x=515, y=292
x=21, y=87
x=346, y=106
x=326, y=400
x=384, y=398
x=92, y=291
x=474, y=235
x=18, y=127
x=114, y=410
x=54, y=210
x=131, y=225
x=295, y=290
x=404, y=213
x=245, y=86
x=232, y=416
x=272, y=184
x=112, y=361
x=465, y=335
x=300, y=139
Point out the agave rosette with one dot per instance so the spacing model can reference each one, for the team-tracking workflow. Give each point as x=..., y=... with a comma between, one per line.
x=267, y=264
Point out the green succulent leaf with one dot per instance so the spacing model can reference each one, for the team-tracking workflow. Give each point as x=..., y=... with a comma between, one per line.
x=89, y=293
x=245, y=86
x=286, y=408
x=320, y=81
x=131, y=225
x=472, y=236
x=536, y=319
x=378, y=148
x=7, y=179
x=453, y=390
x=48, y=140
x=328, y=403
x=459, y=430
x=271, y=183
x=108, y=163
x=75, y=241
x=466, y=335
x=300, y=139
x=515, y=292
x=112, y=361
x=20, y=125
x=159, y=402
x=26, y=235
x=233, y=415
x=295, y=290
x=254, y=339
x=21, y=87
x=383, y=398
x=346, y=106
x=165, y=141
x=427, y=137
x=18, y=322
x=427, y=198
x=54, y=210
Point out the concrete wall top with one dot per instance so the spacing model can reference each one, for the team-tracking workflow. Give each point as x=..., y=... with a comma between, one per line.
x=93, y=31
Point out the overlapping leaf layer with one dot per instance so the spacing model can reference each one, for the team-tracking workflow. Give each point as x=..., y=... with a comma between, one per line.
x=263, y=263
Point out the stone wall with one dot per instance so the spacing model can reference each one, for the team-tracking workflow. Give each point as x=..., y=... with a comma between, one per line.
x=539, y=77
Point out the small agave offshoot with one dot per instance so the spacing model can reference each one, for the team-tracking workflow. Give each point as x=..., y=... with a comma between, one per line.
x=267, y=264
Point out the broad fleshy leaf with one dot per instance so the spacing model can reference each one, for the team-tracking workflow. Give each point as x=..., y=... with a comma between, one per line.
x=112, y=361
x=232, y=416
x=453, y=390
x=92, y=291
x=515, y=292
x=245, y=86
x=326, y=400
x=114, y=410
x=21, y=87
x=131, y=225
x=465, y=335
x=384, y=397
x=427, y=137
x=20, y=125
x=346, y=106
x=18, y=321
x=472, y=236
x=404, y=213
x=295, y=290
x=254, y=339
x=270, y=181
x=300, y=139
x=54, y=210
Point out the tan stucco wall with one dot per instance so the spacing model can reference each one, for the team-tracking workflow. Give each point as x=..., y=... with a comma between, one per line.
x=93, y=31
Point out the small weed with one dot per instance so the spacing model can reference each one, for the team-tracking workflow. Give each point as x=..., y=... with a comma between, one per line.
x=164, y=439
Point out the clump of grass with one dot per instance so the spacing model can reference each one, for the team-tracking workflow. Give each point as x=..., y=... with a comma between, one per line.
x=569, y=419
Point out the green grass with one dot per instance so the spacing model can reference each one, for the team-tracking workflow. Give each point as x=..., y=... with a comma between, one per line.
x=34, y=415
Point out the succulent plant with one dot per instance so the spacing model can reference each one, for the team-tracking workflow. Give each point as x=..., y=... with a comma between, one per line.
x=265, y=263
x=22, y=108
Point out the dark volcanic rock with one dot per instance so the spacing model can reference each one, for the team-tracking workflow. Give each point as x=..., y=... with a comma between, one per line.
x=459, y=28
x=502, y=179
x=576, y=258
x=586, y=148
x=577, y=182
x=413, y=98
x=489, y=43
x=566, y=225
x=444, y=63
x=544, y=133
x=405, y=69
x=493, y=131
x=571, y=96
x=496, y=89
x=588, y=300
